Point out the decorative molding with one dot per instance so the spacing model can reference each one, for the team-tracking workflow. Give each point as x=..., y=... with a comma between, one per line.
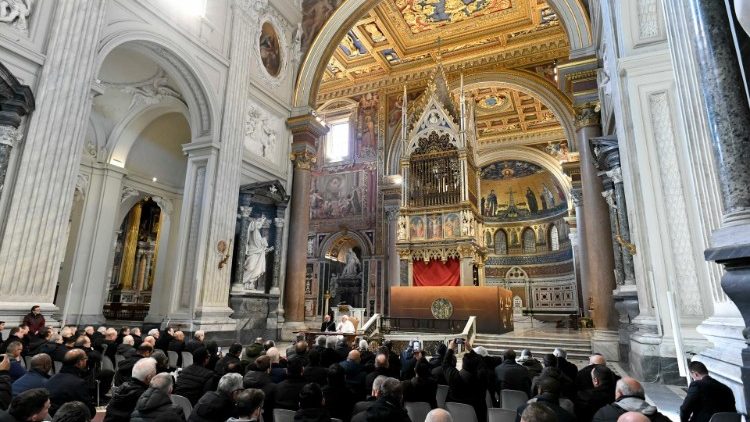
x=648, y=19
x=615, y=174
x=587, y=114
x=128, y=192
x=282, y=27
x=9, y=135
x=151, y=92
x=164, y=203
x=82, y=185
x=16, y=13
x=304, y=160
x=683, y=271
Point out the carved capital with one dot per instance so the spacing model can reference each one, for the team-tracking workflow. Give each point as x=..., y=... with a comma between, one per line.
x=278, y=222
x=9, y=135
x=303, y=159
x=588, y=114
x=128, y=192
x=245, y=212
x=391, y=213
x=404, y=254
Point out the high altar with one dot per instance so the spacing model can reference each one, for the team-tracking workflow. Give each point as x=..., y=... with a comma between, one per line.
x=439, y=223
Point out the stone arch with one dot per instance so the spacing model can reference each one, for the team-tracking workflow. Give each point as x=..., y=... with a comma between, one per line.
x=572, y=14
x=177, y=63
x=357, y=237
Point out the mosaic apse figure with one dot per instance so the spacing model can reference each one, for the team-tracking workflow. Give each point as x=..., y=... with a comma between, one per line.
x=255, y=254
x=531, y=201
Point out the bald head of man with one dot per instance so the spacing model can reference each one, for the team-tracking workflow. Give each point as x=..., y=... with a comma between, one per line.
x=354, y=356
x=381, y=361
x=627, y=386
x=633, y=417
x=597, y=359
x=438, y=415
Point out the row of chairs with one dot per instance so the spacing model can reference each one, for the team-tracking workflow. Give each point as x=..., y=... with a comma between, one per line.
x=509, y=399
x=285, y=415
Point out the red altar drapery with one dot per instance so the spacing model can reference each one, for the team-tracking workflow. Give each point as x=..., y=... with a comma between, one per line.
x=437, y=273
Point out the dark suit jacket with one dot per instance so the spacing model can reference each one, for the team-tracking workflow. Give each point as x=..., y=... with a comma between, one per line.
x=513, y=376
x=704, y=398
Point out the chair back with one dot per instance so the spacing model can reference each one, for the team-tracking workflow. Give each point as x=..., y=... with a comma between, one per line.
x=106, y=364
x=461, y=412
x=119, y=358
x=488, y=400
x=173, y=358
x=26, y=362
x=184, y=403
x=511, y=399
x=336, y=420
x=442, y=394
x=283, y=415
x=187, y=359
x=417, y=410
x=57, y=365
x=501, y=415
x=726, y=417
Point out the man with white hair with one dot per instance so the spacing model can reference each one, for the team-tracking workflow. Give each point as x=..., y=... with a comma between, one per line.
x=196, y=341
x=345, y=326
x=629, y=397
x=127, y=347
x=154, y=332
x=218, y=405
x=438, y=415
x=566, y=367
x=155, y=404
x=126, y=396
x=149, y=340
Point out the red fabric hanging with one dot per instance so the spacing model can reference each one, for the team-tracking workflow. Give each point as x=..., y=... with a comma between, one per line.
x=437, y=273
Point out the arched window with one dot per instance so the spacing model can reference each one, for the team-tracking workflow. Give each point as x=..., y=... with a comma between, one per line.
x=501, y=243
x=529, y=241
x=487, y=238
x=554, y=238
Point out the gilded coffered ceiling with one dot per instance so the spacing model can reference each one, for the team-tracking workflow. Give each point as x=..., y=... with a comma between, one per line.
x=397, y=43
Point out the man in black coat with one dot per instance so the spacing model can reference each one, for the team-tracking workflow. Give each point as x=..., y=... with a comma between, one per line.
x=466, y=386
x=512, y=376
x=328, y=324
x=705, y=396
x=230, y=362
x=259, y=377
x=569, y=369
x=381, y=368
x=329, y=356
x=287, y=391
x=6, y=393
x=31, y=405
x=313, y=372
x=590, y=400
x=126, y=396
x=629, y=397
x=339, y=397
x=549, y=395
x=125, y=368
x=388, y=407
x=583, y=377
x=196, y=380
x=155, y=404
x=70, y=384
x=196, y=342
x=218, y=406
x=422, y=387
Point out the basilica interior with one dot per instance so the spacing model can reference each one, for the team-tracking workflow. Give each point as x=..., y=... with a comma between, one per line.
x=498, y=170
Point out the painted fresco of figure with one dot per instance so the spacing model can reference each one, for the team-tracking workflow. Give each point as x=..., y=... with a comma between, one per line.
x=531, y=200
x=548, y=195
x=352, y=264
x=255, y=254
x=544, y=201
x=492, y=203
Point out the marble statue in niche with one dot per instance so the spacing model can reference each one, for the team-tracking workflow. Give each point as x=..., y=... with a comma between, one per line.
x=352, y=264
x=255, y=254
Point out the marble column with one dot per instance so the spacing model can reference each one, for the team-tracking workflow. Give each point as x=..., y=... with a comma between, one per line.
x=394, y=266
x=306, y=131
x=16, y=101
x=278, y=224
x=580, y=251
x=33, y=245
x=598, y=243
x=728, y=115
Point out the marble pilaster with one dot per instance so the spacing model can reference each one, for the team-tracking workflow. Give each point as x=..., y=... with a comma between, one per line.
x=394, y=278
x=598, y=242
x=306, y=132
x=581, y=254
x=278, y=224
x=33, y=245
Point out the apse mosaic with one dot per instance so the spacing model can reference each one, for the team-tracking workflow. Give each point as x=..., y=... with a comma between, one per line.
x=513, y=190
x=425, y=15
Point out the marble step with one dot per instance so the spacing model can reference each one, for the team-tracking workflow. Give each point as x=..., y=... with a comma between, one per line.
x=577, y=348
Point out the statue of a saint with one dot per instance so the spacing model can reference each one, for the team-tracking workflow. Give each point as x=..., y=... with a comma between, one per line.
x=352, y=264
x=255, y=254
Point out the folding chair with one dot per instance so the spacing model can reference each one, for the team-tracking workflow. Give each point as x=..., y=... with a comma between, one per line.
x=187, y=359
x=184, y=403
x=107, y=364
x=726, y=417
x=283, y=415
x=461, y=412
x=118, y=358
x=173, y=358
x=501, y=415
x=417, y=410
x=513, y=398
x=442, y=394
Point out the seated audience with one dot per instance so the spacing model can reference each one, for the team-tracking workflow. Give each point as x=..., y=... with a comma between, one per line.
x=567, y=368
x=13, y=352
x=109, y=344
x=329, y=356
x=213, y=354
x=590, y=400
x=230, y=362
x=467, y=386
x=421, y=387
x=381, y=369
x=137, y=338
x=196, y=342
x=127, y=347
x=355, y=376
x=339, y=397
x=291, y=350
x=530, y=363
x=377, y=386
x=248, y=405
x=633, y=417
x=252, y=352
x=287, y=391
x=155, y=404
x=74, y=411
x=342, y=349
x=69, y=384
x=31, y=405
x=394, y=363
x=259, y=377
x=705, y=396
x=38, y=343
x=278, y=374
x=512, y=376
x=311, y=405
x=367, y=354
x=629, y=397
x=6, y=393
x=126, y=396
x=36, y=377
x=388, y=407
x=125, y=367
x=583, y=377
x=549, y=395
x=538, y=412
x=196, y=380
x=162, y=361
x=438, y=415
x=218, y=406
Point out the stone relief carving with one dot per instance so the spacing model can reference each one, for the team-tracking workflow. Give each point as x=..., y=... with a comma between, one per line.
x=674, y=199
x=82, y=186
x=164, y=203
x=127, y=193
x=648, y=19
x=150, y=93
x=16, y=13
x=260, y=133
